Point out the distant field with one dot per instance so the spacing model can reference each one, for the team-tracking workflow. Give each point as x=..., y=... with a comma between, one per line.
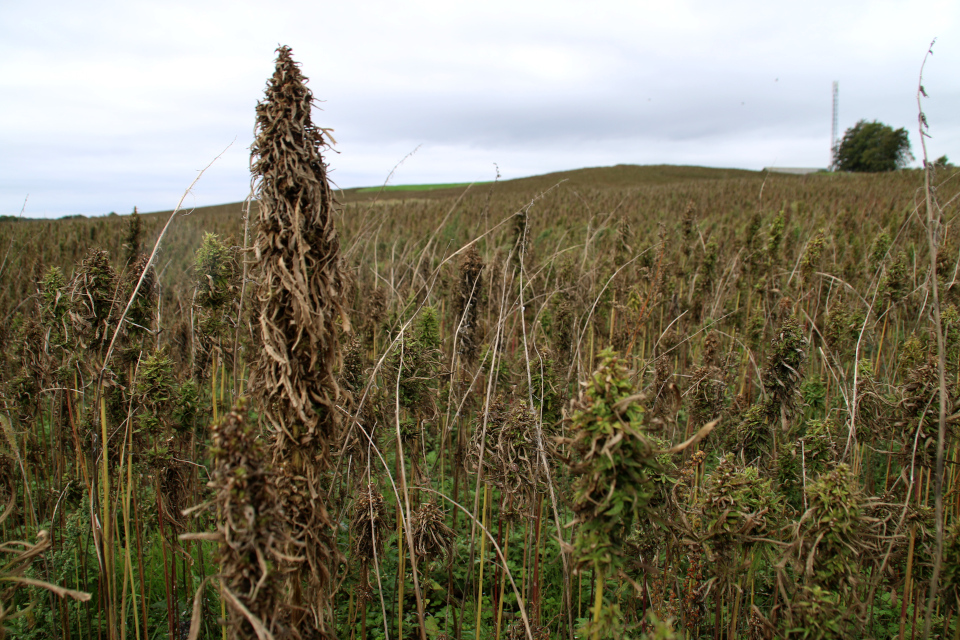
x=415, y=187
x=622, y=176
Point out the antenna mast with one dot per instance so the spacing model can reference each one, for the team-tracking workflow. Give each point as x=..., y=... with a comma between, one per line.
x=834, y=143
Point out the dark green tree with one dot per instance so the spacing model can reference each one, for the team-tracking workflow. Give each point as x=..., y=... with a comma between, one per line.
x=872, y=147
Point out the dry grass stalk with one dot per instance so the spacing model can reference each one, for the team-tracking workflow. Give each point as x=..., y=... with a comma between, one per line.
x=933, y=226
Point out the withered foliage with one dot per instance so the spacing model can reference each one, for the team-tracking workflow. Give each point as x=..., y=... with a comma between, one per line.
x=93, y=296
x=296, y=260
x=254, y=541
x=511, y=456
x=468, y=299
x=431, y=535
x=368, y=525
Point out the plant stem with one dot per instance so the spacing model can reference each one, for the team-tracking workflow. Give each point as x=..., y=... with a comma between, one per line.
x=483, y=556
x=503, y=580
x=597, y=603
x=908, y=583
x=107, y=535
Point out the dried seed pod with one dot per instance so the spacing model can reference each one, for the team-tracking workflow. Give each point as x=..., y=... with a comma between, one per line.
x=368, y=524
x=431, y=535
x=470, y=290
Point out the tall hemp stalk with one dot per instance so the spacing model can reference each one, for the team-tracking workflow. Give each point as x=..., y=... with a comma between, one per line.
x=933, y=226
x=296, y=261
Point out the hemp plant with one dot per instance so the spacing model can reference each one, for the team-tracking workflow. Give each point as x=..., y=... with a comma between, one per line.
x=833, y=544
x=92, y=294
x=133, y=239
x=250, y=530
x=615, y=462
x=755, y=437
x=469, y=292
x=217, y=275
x=299, y=298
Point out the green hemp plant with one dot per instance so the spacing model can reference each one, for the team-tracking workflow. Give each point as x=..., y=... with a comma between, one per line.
x=615, y=462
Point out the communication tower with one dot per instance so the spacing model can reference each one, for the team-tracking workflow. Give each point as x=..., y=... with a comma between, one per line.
x=834, y=143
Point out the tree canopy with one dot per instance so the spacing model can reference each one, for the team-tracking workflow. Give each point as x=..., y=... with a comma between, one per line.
x=872, y=147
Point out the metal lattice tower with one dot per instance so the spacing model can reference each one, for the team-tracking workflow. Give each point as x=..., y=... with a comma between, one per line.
x=833, y=130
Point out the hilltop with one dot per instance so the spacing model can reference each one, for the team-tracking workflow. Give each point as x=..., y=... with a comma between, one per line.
x=619, y=176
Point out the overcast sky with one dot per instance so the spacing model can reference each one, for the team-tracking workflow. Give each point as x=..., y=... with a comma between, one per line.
x=110, y=105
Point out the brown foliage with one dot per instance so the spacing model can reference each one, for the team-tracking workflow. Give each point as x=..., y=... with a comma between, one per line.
x=297, y=254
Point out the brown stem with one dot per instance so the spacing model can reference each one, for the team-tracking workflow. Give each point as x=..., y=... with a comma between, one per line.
x=166, y=574
x=535, y=586
x=933, y=225
x=908, y=583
